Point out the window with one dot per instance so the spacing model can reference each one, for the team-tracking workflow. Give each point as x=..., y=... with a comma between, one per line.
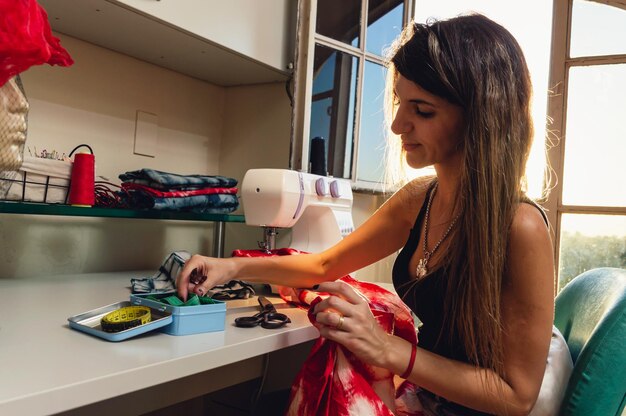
x=339, y=115
x=588, y=203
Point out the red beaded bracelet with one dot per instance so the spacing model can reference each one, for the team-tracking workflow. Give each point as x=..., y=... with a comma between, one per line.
x=409, y=368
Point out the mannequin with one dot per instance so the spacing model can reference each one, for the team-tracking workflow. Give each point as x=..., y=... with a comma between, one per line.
x=26, y=40
x=13, y=125
x=13, y=122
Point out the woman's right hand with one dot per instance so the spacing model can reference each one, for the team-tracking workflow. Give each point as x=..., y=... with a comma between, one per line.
x=202, y=273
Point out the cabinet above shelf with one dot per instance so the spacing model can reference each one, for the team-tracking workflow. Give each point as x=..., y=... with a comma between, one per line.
x=7, y=207
x=147, y=32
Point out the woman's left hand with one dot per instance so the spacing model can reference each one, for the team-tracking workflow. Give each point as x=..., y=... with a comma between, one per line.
x=345, y=317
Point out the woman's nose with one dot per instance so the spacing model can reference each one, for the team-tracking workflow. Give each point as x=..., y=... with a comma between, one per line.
x=399, y=125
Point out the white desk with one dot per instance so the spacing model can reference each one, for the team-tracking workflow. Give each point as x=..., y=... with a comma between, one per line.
x=47, y=368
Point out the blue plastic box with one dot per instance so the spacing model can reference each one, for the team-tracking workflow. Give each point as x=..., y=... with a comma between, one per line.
x=186, y=320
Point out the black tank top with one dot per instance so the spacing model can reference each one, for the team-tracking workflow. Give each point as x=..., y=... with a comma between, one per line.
x=425, y=297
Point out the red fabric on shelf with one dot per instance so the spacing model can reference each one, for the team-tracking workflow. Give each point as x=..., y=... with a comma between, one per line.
x=26, y=39
x=332, y=381
x=177, y=194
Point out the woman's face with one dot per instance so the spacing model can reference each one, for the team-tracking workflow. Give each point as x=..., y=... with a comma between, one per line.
x=13, y=110
x=430, y=127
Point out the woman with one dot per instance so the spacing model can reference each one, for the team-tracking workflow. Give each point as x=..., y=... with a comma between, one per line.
x=476, y=261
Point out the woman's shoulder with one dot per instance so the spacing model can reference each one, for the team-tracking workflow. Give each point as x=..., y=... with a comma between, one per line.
x=530, y=267
x=406, y=202
x=529, y=218
x=412, y=193
x=529, y=235
x=416, y=187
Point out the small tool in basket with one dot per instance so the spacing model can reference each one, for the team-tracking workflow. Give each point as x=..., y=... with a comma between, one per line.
x=268, y=317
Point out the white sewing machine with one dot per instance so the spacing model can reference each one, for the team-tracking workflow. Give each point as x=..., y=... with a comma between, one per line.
x=318, y=209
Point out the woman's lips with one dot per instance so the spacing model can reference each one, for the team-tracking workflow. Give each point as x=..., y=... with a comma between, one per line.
x=407, y=147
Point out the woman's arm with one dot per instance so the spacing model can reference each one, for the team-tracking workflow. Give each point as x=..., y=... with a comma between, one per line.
x=527, y=316
x=382, y=234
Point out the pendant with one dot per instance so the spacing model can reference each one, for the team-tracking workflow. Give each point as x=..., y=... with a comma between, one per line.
x=421, y=269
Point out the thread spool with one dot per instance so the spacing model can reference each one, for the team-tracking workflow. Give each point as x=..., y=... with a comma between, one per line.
x=82, y=185
x=318, y=156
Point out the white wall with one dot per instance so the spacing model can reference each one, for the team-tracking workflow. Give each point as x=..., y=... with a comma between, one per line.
x=256, y=135
x=95, y=102
x=364, y=206
x=203, y=128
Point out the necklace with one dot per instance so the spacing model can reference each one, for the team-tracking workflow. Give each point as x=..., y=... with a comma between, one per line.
x=421, y=270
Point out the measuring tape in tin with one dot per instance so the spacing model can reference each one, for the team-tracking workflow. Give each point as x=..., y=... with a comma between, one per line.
x=125, y=318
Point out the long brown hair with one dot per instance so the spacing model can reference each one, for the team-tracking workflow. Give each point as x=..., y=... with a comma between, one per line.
x=476, y=64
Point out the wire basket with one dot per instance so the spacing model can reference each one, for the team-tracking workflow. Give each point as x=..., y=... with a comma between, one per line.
x=38, y=180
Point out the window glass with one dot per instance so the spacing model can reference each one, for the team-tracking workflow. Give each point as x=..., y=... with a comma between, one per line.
x=384, y=24
x=589, y=241
x=595, y=168
x=370, y=161
x=339, y=20
x=332, y=107
x=597, y=29
x=324, y=67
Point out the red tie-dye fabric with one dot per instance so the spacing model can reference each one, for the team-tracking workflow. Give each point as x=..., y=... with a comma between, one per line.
x=332, y=381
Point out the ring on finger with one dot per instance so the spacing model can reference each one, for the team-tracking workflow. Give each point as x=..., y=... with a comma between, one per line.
x=340, y=323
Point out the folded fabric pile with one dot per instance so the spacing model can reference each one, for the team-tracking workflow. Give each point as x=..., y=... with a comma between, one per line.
x=153, y=189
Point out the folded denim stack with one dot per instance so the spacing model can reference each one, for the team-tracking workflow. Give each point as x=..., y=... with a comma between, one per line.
x=153, y=189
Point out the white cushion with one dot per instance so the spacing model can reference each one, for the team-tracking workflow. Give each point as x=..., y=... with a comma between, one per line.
x=558, y=371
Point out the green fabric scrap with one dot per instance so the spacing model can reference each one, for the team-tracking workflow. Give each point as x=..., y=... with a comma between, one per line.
x=174, y=300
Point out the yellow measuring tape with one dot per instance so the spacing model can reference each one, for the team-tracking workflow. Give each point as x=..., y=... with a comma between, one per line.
x=125, y=318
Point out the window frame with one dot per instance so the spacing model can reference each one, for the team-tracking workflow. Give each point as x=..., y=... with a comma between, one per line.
x=306, y=39
x=560, y=64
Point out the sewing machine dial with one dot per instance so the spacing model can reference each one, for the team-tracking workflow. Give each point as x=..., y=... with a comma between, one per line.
x=321, y=187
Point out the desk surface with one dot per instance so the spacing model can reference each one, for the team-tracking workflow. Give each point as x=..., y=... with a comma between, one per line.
x=46, y=367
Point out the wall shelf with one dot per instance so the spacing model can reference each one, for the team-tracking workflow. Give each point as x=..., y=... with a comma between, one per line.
x=8, y=207
x=32, y=208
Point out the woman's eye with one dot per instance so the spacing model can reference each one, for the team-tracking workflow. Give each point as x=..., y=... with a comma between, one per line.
x=425, y=114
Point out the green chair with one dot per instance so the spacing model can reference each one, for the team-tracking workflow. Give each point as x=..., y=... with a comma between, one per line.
x=591, y=315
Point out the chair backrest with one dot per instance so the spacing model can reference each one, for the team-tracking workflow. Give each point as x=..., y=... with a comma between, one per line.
x=590, y=312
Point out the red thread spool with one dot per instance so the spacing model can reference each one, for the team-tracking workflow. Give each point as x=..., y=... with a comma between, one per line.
x=82, y=192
